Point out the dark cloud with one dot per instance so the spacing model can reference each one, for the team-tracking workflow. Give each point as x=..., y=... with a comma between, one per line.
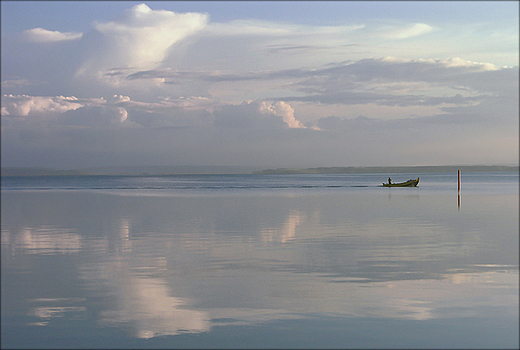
x=350, y=98
x=376, y=81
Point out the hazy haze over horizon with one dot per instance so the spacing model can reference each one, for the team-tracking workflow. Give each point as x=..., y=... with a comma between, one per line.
x=259, y=84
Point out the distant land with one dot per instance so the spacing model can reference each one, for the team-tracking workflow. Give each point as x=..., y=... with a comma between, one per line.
x=37, y=172
x=176, y=170
x=391, y=169
x=129, y=170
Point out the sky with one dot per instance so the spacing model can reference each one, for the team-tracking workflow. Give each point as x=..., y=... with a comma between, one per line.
x=260, y=84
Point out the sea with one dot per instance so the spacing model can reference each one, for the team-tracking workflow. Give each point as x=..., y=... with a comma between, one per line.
x=260, y=261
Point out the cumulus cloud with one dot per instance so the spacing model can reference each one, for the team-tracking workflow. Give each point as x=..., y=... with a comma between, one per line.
x=248, y=115
x=64, y=111
x=114, y=111
x=257, y=114
x=119, y=99
x=41, y=35
x=284, y=110
x=121, y=110
x=459, y=62
x=187, y=78
x=123, y=114
x=96, y=116
x=24, y=105
x=139, y=38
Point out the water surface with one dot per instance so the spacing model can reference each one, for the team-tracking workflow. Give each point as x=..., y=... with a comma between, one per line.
x=260, y=261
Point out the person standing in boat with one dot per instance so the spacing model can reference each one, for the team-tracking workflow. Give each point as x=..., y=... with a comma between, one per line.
x=389, y=180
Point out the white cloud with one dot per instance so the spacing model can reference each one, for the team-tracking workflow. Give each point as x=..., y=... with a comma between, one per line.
x=119, y=98
x=247, y=115
x=274, y=29
x=62, y=111
x=96, y=116
x=140, y=38
x=123, y=114
x=250, y=27
x=191, y=103
x=46, y=36
x=459, y=62
x=184, y=72
x=24, y=105
x=284, y=110
x=408, y=32
x=257, y=115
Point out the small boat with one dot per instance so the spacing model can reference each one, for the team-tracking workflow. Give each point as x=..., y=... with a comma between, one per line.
x=409, y=183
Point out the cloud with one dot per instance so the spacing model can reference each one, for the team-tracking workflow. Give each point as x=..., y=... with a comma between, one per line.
x=389, y=81
x=408, y=32
x=459, y=62
x=379, y=76
x=250, y=27
x=114, y=111
x=6, y=84
x=273, y=29
x=174, y=76
x=284, y=110
x=193, y=103
x=257, y=115
x=248, y=115
x=120, y=110
x=139, y=38
x=402, y=69
x=41, y=35
x=119, y=99
x=247, y=45
x=62, y=111
x=392, y=81
x=23, y=105
x=334, y=123
x=177, y=81
x=97, y=116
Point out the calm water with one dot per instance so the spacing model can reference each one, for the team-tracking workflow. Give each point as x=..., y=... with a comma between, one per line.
x=260, y=261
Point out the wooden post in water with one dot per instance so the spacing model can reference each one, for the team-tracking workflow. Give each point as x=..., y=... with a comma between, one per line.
x=458, y=183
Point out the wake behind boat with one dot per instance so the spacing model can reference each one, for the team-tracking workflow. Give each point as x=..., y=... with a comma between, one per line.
x=409, y=183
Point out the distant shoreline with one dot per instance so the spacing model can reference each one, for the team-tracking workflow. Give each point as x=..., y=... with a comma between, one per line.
x=393, y=169
x=216, y=170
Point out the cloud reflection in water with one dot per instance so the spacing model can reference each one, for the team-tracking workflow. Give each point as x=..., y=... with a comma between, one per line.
x=173, y=265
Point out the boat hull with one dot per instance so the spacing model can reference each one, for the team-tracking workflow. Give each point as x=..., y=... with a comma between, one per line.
x=409, y=183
